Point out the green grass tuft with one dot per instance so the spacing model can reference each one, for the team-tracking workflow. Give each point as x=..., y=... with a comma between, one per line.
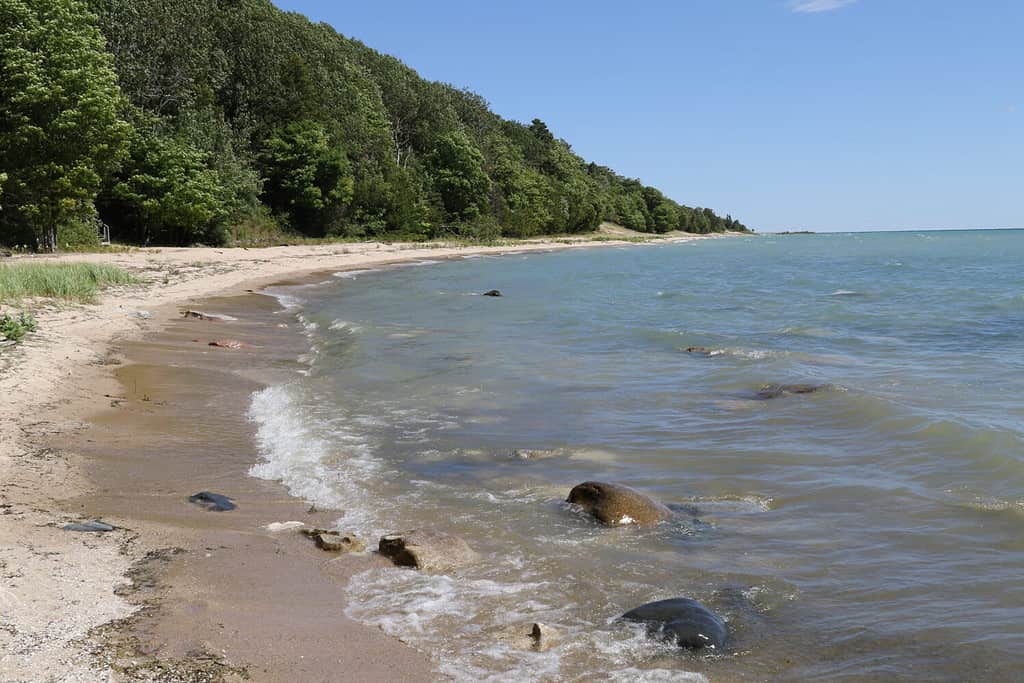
x=78, y=282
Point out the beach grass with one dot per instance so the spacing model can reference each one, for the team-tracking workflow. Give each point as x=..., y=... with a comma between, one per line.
x=74, y=282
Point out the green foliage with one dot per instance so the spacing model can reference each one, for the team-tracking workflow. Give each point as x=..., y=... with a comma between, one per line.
x=60, y=129
x=308, y=177
x=79, y=282
x=14, y=328
x=458, y=176
x=252, y=124
x=166, y=193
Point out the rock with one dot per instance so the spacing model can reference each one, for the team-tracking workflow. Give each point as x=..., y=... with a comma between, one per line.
x=427, y=549
x=230, y=344
x=94, y=526
x=769, y=391
x=617, y=504
x=687, y=622
x=337, y=543
x=492, y=292
x=700, y=350
x=276, y=527
x=544, y=637
x=197, y=315
x=214, y=502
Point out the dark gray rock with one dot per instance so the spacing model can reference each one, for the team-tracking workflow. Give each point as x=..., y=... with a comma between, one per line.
x=493, y=292
x=214, y=502
x=427, y=549
x=700, y=350
x=617, y=504
x=94, y=526
x=770, y=391
x=686, y=622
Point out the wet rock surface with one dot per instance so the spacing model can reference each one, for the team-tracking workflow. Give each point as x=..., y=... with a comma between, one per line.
x=94, y=526
x=215, y=502
x=683, y=620
x=493, y=292
x=616, y=504
x=427, y=549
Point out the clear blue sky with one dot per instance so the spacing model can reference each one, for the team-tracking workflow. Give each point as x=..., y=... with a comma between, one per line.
x=815, y=114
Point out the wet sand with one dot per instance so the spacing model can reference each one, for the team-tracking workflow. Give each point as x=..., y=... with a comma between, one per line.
x=221, y=591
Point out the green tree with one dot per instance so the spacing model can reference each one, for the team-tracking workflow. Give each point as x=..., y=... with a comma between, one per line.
x=308, y=177
x=168, y=194
x=458, y=176
x=60, y=129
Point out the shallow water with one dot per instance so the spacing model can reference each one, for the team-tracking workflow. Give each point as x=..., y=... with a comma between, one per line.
x=868, y=531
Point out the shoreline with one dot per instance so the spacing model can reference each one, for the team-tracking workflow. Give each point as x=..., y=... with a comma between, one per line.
x=61, y=588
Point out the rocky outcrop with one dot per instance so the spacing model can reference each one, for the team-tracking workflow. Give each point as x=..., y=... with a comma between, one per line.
x=427, y=549
x=770, y=391
x=616, y=504
x=683, y=620
x=214, y=502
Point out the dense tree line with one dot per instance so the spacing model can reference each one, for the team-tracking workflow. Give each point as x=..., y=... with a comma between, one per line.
x=184, y=121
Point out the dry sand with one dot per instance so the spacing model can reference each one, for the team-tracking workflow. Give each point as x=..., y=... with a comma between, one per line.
x=85, y=607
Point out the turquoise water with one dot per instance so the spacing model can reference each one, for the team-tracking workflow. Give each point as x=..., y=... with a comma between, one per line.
x=868, y=531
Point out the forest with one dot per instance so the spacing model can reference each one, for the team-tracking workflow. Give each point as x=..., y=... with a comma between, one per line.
x=181, y=122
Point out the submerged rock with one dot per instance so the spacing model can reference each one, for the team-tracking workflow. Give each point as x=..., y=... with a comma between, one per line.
x=617, y=504
x=93, y=526
x=427, y=549
x=769, y=391
x=544, y=637
x=492, y=292
x=214, y=502
x=700, y=350
x=687, y=622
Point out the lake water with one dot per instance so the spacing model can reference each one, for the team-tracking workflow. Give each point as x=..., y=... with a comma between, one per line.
x=873, y=530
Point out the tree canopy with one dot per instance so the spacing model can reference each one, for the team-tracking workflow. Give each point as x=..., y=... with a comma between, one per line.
x=178, y=119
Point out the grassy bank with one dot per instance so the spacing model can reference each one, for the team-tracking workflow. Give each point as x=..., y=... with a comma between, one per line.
x=76, y=282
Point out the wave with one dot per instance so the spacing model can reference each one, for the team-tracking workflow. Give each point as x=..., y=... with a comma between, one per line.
x=327, y=473
x=846, y=292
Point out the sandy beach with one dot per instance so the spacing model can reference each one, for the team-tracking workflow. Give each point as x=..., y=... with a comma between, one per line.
x=92, y=409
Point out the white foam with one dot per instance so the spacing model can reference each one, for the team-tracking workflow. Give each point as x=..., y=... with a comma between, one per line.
x=329, y=474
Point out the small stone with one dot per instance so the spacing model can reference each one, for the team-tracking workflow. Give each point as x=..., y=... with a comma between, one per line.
x=312, y=510
x=215, y=502
x=336, y=543
x=230, y=344
x=276, y=527
x=94, y=526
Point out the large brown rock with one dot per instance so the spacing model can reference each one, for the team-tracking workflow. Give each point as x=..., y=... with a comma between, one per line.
x=617, y=504
x=427, y=549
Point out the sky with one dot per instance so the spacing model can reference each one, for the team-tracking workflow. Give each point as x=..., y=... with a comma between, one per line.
x=787, y=114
